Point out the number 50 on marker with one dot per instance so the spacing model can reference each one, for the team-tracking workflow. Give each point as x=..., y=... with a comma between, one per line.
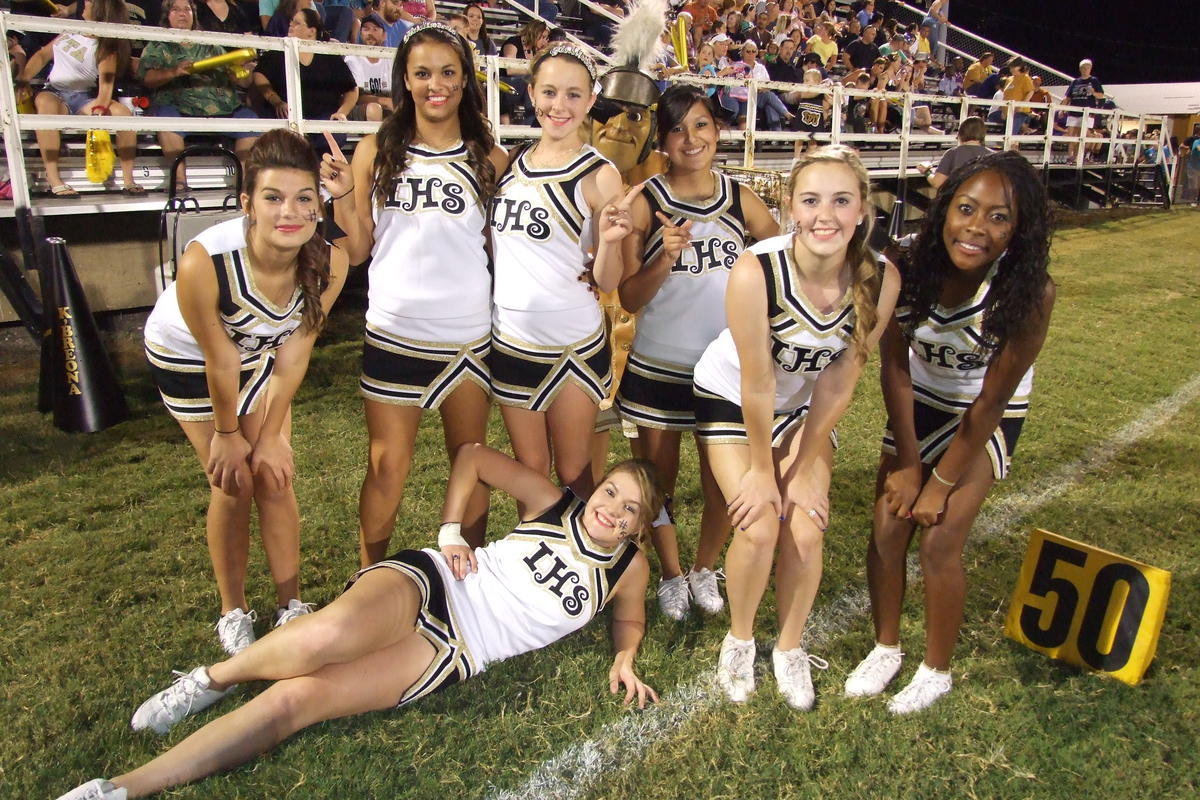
x=1088, y=607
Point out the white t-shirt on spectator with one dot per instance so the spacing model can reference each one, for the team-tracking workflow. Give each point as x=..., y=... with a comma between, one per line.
x=374, y=79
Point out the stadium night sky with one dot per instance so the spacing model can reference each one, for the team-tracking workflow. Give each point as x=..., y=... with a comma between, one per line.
x=1131, y=42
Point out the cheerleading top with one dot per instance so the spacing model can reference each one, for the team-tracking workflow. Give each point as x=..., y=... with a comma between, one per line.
x=541, y=232
x=252, y=322
x=429, y=259
x=688, y=311
x=803, y=339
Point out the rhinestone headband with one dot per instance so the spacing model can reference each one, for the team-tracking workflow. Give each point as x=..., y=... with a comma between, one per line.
x=577, y=53
x=429, y=25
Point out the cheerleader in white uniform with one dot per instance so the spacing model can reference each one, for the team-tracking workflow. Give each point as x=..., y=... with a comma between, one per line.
x=804, y=310
x=689, y=226
x=421, y=621
x=559, y=202
x=957, y=370
x=419, y=210
x=228, y=345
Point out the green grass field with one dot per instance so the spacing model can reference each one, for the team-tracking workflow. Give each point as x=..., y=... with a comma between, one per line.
x=106, y=588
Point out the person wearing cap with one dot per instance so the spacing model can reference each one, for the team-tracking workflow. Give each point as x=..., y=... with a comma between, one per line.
x=1084, y=92
x=373, y=75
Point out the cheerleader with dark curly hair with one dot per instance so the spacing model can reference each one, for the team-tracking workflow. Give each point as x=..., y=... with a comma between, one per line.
x=957, y=370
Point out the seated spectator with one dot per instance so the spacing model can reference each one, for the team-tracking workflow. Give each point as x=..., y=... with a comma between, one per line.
x=785, y=68
x=977, y=73
x=822, y=44
x=175, y=91
x=897, y=46
x=736, y=28
x=769, y=103
x=280, y=23
x=1018, y=87
x=848, y=32
x=1037, y=116
x=327, y=88
x=342, y=17
x=990, y=86
x=373, y=75
x=858, y=110
x=862, y=52
x=477, y=30
x=598, y=27
x=969, y=148
x=922, y=48
x=532, y=39
x=83, y=76
x=703, y=15
x=761, y=34
x=391, y=12
x=223, y=16
x=706, y=66
x=414, y=11
x=921, y=119
x=812, y=108
x=951, y=82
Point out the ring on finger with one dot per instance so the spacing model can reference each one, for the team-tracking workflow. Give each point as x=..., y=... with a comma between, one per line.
x=812, y=512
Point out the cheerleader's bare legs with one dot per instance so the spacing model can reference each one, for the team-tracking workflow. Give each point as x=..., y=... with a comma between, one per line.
x=392, y=430
x=562, y=433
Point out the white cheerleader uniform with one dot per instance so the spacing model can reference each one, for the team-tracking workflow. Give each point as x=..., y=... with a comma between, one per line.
x=947, y=364
x=688, y=311
x=256, y=325
x=543, y=581
x=804, y=340
x=429, y=301
x=547, y=328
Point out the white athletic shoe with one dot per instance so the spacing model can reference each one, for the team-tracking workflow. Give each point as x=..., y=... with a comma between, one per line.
x=294, y=609
x=735, y=668
x=875, y=672
x=189, y=694
x=922, y=691
x=236, y=631
x=703, y=585
x=794, y=675
x=673, y=597
x=95, y=789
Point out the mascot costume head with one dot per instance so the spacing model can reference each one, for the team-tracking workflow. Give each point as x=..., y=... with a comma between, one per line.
x=623, y=116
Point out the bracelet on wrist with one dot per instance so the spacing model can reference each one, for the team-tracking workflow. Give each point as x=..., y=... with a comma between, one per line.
x=226, y=433
x=450, y=534
x=340, y=196
x=941, y=480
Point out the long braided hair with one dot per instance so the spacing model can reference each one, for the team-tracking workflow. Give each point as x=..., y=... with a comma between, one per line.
x=1013, y=301
x=866, y=274
x=400, y=127
x=283, y=149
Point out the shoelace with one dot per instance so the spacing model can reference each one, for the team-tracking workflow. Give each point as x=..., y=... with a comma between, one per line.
x=185, y=686
x=251, y=615
x=667, y=586
x=877, y=664
x=300, y=609
x=740, y=660
x=795, y=660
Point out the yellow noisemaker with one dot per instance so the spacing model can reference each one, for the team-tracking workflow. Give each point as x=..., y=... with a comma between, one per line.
x=679, y=34
x=504, y=87
x=99, y=157
x=234, y=59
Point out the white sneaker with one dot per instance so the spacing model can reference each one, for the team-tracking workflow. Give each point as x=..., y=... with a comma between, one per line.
x=294, y=609
x=922, y=692
x=735, y=668
x=673, y=597
x=236, y=631
x=703, y=585
x=794, y=676
x=875, y=672
x=189, y=694
x=95, y=789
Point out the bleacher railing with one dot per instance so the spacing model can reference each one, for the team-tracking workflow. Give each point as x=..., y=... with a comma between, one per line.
x=1151, y=130
x=961, y=42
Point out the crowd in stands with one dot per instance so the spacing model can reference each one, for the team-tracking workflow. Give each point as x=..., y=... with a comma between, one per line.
x=806, y=42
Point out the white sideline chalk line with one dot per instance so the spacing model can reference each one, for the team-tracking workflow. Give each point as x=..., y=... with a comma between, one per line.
x=575, y=770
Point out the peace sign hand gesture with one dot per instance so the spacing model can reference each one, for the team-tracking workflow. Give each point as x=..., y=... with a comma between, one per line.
x=675, y=238
x=615, y=221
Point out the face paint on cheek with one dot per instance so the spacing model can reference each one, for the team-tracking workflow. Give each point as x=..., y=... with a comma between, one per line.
x=312, y=216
